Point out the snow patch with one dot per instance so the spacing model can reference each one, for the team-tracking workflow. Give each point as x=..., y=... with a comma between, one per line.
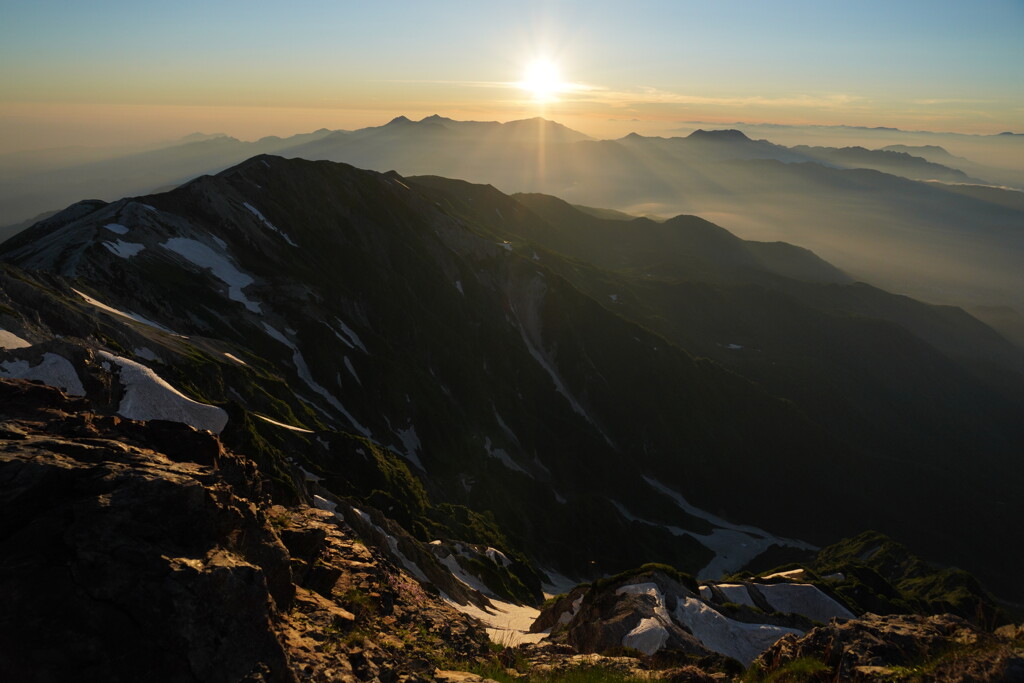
x=791, y=574
x=565, y=617
x=146, y=353
x=124, y=249
x=256, y=212
x=471, y=581
x=352, y=370
x=348, y=336
x=736, y=592
x=734, y=545
x=148, y=397
x=505, y=427
x=648, y=636
x=203, y=256
x=458, y=286
x=392, y=542
x=324, y=504
x=53, y=370
x=117, y=228
x=736, y=639
x=282, y=424
x=498, y=557
x=235, y=358
x=124, y=314
x=411, y=442
x=304, y=374
x=805, y=599
x=504, y=457
x=556, y=583
x=507, y=624
x=9, y=340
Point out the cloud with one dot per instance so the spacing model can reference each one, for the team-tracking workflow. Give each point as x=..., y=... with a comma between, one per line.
x=585, y=92
x=951, y=100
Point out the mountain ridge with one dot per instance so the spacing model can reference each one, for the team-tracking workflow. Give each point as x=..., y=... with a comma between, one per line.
x=311, y=235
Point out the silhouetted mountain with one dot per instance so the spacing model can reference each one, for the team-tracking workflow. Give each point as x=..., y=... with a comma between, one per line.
x=1000, y=175
x=944, y=243
x=887, y=161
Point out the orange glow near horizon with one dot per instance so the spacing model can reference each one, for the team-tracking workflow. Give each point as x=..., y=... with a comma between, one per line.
x=45, y=125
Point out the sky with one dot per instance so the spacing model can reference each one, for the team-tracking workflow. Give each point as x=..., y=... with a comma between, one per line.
x=111, y=71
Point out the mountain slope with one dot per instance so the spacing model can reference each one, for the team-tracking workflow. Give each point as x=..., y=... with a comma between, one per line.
x=394, y=320
x=378, y=315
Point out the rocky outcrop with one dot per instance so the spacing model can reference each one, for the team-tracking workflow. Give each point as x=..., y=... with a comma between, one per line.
x=935, y=648
x=123, y=561
x=146, y=551
x=654, y=610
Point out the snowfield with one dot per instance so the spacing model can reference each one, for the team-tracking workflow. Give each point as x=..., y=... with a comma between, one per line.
x=729, y=637
x=148, y=397
x=805, y=599
x=199, y=254
x=734, y=545
x=507, y=624
x=54, y=371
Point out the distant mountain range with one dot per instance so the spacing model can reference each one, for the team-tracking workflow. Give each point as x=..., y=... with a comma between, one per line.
x=948, y=241
x=583, y=394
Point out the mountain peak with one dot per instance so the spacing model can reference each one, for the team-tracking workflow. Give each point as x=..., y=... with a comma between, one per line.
x=398, y=120
x=728, y=135
x=435, y=118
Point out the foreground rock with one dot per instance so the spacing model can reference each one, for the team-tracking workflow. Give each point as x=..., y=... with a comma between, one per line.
x=899, y=647
x=145, y=551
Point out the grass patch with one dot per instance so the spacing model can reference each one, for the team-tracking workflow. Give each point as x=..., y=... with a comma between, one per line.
x=681, y=577
x=802, y=669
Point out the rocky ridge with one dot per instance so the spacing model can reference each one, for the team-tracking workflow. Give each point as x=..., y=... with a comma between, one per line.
x=147, y=551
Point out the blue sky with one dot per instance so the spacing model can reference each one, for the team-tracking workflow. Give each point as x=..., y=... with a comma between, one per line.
x=912, y=64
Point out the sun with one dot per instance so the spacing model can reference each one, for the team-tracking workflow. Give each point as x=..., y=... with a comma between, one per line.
x=541, y=80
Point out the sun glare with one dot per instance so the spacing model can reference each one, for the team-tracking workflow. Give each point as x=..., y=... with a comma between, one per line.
x=541, y=80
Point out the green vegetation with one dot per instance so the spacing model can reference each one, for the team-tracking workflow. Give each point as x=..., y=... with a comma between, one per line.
x=883, y=576
x=495, y=670
x=359, y=603
x=798, y=670
x=681, y=577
